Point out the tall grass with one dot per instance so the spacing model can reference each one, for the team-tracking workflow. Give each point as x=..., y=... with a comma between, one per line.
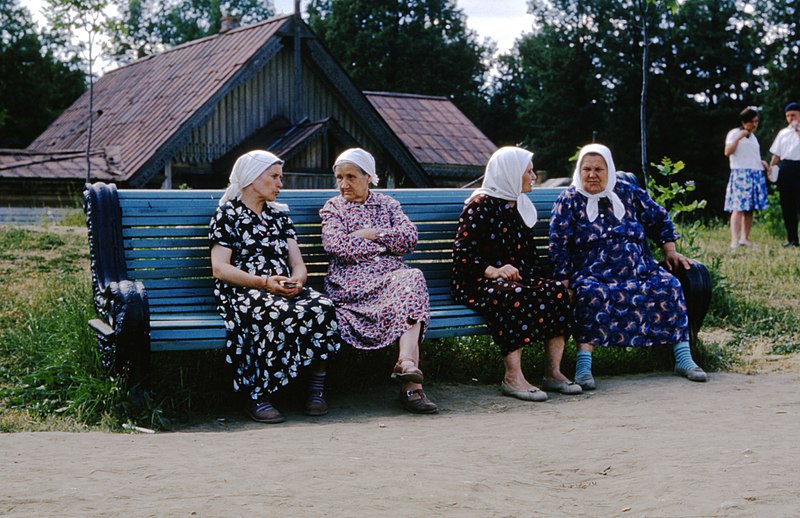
x=49, y=369
x=50, y=374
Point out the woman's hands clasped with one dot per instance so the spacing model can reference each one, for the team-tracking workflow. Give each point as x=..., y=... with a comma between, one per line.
x=506, y=272
x=281, y=285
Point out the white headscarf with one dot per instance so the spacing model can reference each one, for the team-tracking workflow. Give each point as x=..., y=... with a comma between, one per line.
x=362, y=159
x=592, y=200
x=247, y=168
x=503, y=179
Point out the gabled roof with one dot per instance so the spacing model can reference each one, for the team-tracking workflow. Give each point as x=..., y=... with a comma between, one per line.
x=433, y=129
x=18, y=164
x=142, y=107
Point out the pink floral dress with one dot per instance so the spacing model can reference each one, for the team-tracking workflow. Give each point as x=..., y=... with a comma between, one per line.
x=377, y=297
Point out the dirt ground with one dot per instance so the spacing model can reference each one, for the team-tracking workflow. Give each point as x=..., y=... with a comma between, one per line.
x=644, y=445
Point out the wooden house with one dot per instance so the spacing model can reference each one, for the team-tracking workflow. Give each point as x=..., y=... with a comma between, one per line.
x=183, y=116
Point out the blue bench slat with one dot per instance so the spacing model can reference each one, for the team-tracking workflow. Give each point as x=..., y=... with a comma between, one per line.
x=175, y=273
x=177, y=220
x=163, y=253
x=174, y=307
x=178, y=284
x=186, y=262
x=165, y=244
x=194, y=318
x=162, y=232
x=186, y=345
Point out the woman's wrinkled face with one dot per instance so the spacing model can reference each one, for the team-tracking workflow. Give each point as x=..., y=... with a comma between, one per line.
x=269, y=183
x=528, y=177
x=352, y=183
x=594, y=173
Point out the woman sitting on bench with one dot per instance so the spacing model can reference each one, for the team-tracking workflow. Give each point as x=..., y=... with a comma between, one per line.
x=275, y=326
x=379, y=300
x=599, y=231
x=497, y=273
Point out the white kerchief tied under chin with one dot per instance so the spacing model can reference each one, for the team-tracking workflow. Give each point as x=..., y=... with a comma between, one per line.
x=247, y=168
x=592, y=200
x=503, y=179
x=362, y=159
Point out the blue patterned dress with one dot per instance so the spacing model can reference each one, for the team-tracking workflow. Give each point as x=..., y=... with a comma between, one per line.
x=623, y=298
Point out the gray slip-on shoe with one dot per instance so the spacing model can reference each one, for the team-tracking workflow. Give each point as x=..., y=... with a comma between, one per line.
x=533, y=394
x=693, y=374
x=567, y=387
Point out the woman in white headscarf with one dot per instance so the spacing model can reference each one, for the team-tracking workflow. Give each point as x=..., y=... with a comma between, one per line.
x=275, y=326
x=379, y=300
x=599, y=231
x=496, y=272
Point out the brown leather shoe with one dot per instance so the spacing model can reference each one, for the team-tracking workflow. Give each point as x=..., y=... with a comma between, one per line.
x=407, y=375
x=316, y=405
x=415, y=401
x=264, y=412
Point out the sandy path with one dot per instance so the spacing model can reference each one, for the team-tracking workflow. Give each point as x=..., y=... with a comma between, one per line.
x=649, y=445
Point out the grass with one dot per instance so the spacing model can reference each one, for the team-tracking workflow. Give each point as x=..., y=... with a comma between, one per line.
x=755, y=310
x=51, y=379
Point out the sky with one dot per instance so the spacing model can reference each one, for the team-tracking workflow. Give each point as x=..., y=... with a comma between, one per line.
x=501, y=20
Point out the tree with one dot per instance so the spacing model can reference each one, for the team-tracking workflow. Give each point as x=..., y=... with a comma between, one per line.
x=146, y=27
x=35, y=86
x=414, y=46
x=81, y=22
x=776, y=30
x=578, y=77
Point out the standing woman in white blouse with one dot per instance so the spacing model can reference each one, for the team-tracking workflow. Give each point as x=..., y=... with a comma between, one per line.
x=747, y=186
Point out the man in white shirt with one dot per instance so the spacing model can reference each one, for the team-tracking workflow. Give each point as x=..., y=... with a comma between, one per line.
x=786, y=153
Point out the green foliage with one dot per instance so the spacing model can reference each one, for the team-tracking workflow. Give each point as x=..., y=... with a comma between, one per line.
x=35, y=85
x=674, y=196
x=417, y=46
x=146, y=27
x=576, y=77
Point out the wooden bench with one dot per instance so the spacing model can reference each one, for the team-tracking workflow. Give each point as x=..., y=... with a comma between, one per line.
x=151, y=269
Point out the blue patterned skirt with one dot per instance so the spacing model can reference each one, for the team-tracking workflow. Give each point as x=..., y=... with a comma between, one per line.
x=747, y=190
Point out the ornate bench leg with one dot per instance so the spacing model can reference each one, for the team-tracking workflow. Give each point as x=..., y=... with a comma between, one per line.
x=124, y=340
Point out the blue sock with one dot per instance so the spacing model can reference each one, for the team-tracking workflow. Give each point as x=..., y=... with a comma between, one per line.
x=583, y=367
x=683, y=356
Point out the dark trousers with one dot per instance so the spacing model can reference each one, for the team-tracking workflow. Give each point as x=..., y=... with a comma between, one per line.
x=789, y=189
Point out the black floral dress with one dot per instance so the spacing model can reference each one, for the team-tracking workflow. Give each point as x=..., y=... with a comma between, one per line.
x=491, y=233
x=269, y=337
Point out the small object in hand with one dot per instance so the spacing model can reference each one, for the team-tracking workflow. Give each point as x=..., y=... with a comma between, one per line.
x=288, y=284
x=773, y=173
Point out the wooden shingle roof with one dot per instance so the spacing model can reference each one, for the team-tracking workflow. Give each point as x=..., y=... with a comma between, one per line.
x=143, y=108
x=19, y=164
x=434, y=129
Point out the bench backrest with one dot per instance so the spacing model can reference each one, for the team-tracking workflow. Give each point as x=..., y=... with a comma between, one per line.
x=165, y=234
x=166, y=239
